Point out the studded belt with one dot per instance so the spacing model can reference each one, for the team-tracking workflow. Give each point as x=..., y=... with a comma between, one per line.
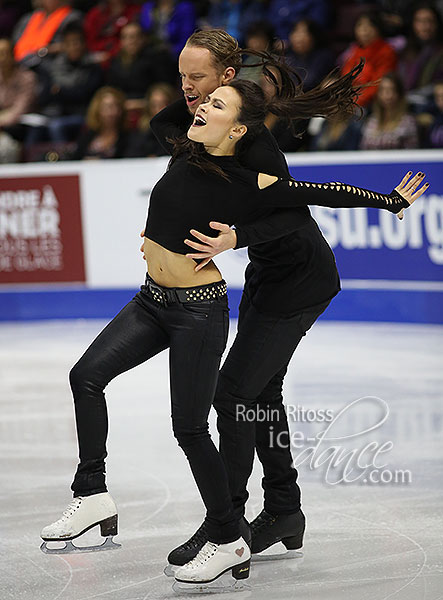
x=201, y=293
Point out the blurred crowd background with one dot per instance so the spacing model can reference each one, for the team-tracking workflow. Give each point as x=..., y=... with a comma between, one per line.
x=81, y=79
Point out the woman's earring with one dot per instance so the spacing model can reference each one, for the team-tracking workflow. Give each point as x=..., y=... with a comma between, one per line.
x=230, y=137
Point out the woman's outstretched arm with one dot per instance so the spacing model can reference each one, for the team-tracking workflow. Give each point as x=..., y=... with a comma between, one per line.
x=275, y=191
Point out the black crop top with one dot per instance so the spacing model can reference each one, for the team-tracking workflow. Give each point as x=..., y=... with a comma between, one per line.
x=188, y=198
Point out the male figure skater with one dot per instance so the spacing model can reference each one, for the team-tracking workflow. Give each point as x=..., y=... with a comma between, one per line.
x=289, y=282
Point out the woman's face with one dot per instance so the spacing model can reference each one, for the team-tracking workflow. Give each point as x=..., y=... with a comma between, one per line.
x=216, y=118
x=424, y=24
x=387, y=93
x=365, y=32
x=300, y=39
x=131, y=39
x=158, y=101
x=257, y=42
x=110, y=110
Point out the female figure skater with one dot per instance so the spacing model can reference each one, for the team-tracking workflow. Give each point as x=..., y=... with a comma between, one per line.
x=186, y=310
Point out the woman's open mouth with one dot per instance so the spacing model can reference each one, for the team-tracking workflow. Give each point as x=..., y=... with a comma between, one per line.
x=199, y=121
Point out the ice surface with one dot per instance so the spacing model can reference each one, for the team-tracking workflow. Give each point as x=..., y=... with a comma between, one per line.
x=363, y=541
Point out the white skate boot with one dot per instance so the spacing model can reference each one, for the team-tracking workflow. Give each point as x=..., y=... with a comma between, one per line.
x=208, y=571
x=82, y=514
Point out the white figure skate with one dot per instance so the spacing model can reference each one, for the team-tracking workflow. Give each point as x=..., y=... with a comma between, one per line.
x=208, y=571
x=82, y=514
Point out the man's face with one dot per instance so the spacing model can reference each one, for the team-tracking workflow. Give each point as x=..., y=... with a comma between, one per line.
x=74, y=46
x=199, y=75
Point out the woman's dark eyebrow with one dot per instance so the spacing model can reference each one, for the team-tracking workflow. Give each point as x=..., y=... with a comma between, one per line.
x=216, y=100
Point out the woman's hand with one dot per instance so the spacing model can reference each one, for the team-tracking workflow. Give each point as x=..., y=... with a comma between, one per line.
x=210, y=247
x=408, y=189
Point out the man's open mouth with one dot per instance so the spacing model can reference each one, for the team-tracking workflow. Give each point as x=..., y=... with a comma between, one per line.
x=191, y=99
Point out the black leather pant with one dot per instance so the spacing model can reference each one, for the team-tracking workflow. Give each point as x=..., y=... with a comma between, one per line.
x=252, y=377
x=196, y=335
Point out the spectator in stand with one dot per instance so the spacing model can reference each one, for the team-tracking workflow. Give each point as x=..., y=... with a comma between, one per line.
x=74, y=78
x=393, y=14
x=306, y=55
x=17, y=95
x=380, y=57
x=391, y=126
x=107, y=134
x=39, y=34
x=144, y=142
x=435, y=132
x=138, y=65
x=103, y=25
x=279, y=127
x=283, y=13
x=333, y=135
x=259, y=37
x=84, y=5
x=236, y=17
x=169, y=21
x=421, y=62
x=10, y=13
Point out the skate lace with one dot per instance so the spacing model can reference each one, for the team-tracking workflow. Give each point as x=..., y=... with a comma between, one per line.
x=71, y=508
x=199, y=536
x=207, y=552
x=261, y=521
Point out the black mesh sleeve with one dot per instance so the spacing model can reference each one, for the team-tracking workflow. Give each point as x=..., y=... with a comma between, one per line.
x=294, y=193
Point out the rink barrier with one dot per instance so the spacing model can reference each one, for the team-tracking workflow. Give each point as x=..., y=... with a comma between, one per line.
x=398, y=306
x=69, y=237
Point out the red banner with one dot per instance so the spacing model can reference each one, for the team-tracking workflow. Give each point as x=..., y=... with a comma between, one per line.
x=40, y=230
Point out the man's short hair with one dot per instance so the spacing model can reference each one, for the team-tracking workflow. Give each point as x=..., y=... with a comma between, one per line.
x=221, y=45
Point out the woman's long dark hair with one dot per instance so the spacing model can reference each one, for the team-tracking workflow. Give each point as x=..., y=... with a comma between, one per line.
x=337, y=99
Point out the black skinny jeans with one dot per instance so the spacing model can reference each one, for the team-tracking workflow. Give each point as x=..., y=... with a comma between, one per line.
x=196, y=335
x=252, y=377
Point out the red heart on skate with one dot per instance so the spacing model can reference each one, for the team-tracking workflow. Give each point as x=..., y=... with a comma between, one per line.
x=239, y=551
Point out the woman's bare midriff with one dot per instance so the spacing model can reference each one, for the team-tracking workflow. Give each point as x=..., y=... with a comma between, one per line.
x=170, y=269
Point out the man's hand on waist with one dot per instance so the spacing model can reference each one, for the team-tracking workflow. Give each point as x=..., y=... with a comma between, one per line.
x=211, y=246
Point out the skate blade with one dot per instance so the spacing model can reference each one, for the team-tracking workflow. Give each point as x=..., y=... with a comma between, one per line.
x=69, y=547
x=224, y=583
x=170, y=570
x=276, y=552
